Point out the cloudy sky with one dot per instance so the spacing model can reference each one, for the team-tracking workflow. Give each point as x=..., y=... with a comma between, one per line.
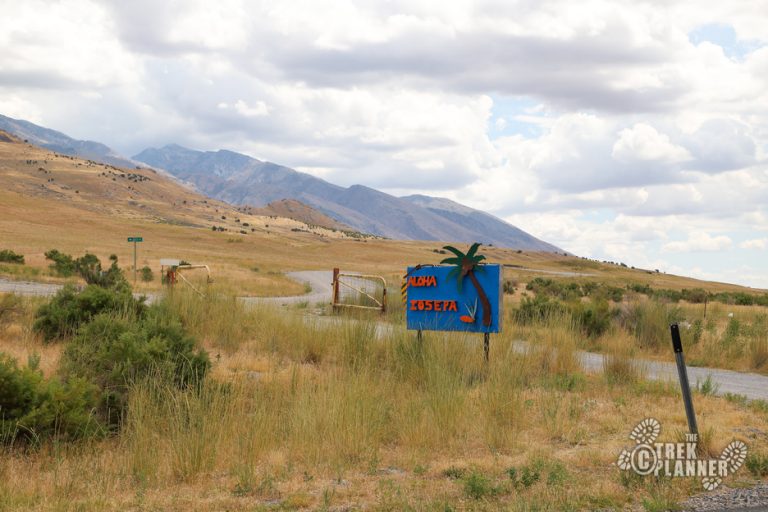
x=628, y=131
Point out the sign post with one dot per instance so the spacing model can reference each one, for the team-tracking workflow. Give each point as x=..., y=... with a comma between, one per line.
x=677, y=346
x=135, y=240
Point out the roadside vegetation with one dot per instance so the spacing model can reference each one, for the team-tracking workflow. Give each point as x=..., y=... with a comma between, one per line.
x=201, y=402
x=722, y=330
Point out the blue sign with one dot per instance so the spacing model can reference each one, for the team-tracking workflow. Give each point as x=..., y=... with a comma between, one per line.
x=435, y=303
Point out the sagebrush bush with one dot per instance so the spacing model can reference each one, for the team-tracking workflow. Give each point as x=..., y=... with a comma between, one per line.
x=114, y=352
x=146, y=274
x=8, y=256
x=87, y=266
x=594, y=317
x=537, y=309
x=33, y=408
x=63, y=264
x=69, y=309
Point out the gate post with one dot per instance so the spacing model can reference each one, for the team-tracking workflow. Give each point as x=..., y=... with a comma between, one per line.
x=335, y=298
x=384, y=300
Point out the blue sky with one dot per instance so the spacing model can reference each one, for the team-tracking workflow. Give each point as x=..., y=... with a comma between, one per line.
x=621, y=130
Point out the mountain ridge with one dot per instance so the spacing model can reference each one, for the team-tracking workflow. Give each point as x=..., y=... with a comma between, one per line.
x=240, y=179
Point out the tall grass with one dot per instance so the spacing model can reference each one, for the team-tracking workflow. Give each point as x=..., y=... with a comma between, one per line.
x=648, y=321
x=335, y=398
x=217, y=317
x=619, y=367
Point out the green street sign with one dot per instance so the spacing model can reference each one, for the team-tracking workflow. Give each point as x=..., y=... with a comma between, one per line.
x=135, y=239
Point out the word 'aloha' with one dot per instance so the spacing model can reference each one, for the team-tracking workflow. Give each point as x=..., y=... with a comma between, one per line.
x=419, y=281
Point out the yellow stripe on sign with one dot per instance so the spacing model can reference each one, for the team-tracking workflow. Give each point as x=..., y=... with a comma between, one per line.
x=404, y=291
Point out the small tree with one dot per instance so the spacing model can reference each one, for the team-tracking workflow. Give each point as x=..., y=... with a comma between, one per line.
x=146, y=274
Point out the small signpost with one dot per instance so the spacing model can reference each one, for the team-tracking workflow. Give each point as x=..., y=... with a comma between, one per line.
x=135, y=240
x=465, y=296
x=682, y=372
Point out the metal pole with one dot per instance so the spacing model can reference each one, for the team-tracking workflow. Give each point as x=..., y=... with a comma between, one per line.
x=677, y=345
x=134, y=262
x=487, y=345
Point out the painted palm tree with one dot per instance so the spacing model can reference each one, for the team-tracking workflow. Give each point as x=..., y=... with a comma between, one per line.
x=467, y=266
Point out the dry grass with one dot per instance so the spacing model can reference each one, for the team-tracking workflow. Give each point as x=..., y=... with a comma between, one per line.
x=327, y=414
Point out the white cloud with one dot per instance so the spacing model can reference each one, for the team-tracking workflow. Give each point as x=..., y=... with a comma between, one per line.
x=637, y=136
x=757, y=243
x=699, y=241
x=643, y=142
x=258, y=110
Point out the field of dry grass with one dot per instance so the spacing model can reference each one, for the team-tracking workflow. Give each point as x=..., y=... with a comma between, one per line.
x=328, y=414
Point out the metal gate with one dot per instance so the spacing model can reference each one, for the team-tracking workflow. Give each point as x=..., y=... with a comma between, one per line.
x=361, y=291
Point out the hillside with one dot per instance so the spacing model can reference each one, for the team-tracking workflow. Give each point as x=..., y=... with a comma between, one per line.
x=240, y=179
x=296, y=210
x=49, y=200
x=61, y=143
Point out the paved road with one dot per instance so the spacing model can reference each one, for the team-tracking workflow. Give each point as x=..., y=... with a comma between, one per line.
x=28, y=288
x=319, y=280
x=751, y=385
x=561, y=273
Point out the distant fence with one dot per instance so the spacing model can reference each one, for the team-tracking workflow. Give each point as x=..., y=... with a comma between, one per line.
x=359, y=291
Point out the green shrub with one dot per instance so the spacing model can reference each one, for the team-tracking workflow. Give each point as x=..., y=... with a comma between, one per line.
x=87, y=266
x=593, y=317
x=529, y=475
x=63, y=265
x=478, y=486
x=757, y=464
x=667, y=295
x=454, y=472
x=69, y=309
x=537, y=309
x=114, y=352
x=695, y=296
x=613, y=293
x=33, y=408
x=8, y=256
x=645, y=289
x=146, y=274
